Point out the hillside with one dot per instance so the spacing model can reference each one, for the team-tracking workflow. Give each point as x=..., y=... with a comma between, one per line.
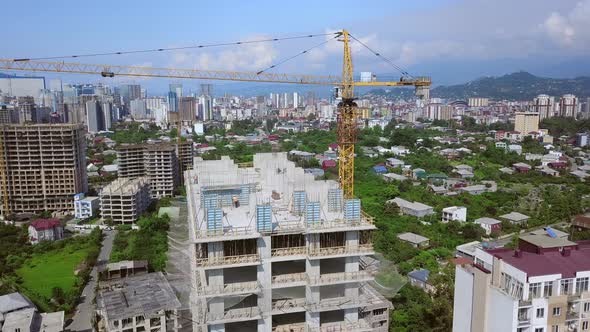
x=515, y=86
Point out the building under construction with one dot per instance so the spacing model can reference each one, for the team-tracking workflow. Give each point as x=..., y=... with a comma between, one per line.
x=124, y=200
x=159, y=162
x=43, y=166
x=275, y=250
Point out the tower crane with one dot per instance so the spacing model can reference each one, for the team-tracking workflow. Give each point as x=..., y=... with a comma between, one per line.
x=347, y=108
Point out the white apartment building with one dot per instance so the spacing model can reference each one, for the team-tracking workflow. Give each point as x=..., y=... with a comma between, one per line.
x=124, y=200
x=275, y=250
x=454, y=213
x=542, y=287
x=85, y=207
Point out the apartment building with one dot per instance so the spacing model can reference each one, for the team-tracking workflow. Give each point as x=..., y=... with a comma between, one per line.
x=158, y=162
x=44, y=167
x=124, y=200
x=184, y=152
x=540, y=287
x=140, y=303
x=275, y=250
x=454, y=213
x=526, y=122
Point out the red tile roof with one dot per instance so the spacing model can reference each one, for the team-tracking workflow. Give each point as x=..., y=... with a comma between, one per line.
x=549, y=262
x=43, y=224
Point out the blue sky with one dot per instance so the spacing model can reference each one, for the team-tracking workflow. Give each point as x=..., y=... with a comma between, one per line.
x=451, y=40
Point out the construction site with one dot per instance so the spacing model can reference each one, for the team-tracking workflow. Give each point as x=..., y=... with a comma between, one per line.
x=275, y=250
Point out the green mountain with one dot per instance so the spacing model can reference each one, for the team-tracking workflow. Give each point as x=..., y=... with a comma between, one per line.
x=516, y=86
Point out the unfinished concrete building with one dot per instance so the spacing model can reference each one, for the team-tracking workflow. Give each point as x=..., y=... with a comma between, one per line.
x=184, y=151
x=156, y=161
x=274, y=250
x=124, y=200
x=44, y=167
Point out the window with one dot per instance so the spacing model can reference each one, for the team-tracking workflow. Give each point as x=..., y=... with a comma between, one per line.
x=539, y=329
x=585, y=325
x=534, y=290
x=555, y=328
x=556, y=311
x=548, y=289
x=17, y=330
x=581, y=285
x=540, y=312
x=566, y=286
x=586, y=306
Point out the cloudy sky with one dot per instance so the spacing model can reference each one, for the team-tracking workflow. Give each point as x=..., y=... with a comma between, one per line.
x=451, y=40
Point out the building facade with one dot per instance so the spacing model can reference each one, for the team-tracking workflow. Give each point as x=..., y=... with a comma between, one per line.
x=526, y=122
x=124, y=200
x=264, y=258
x=544, y=105
x=45, y=167
x=85, y=207
x=45, y=230
x=541, y=287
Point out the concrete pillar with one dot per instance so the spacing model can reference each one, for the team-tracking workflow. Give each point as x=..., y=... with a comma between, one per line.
x=351, y=315
x=264, y=277
x=312, y=294
x=312, y=319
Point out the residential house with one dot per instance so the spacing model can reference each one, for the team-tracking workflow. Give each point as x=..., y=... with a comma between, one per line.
x=399, y=151
x=419, y=278
x=413, y=209
x=316, y=172
x=418, y=173
x=394, y=177
x=521, y=168
x=329, y=163
x=369, y=152
x=506, y=170
x=331, y=154
x=581, y=222
x=490, y=225
x=417, y=241
x=30, y=320
x=515, y=148
x=548, y=171
x=45, y=230
x=454, y=213
x=13, y=302
x=515, y=218
x=439, y=190
x=501, y=145
x=465, y=174
x=393, y=162
x=474, y=190
x=379, y=169
x=580, y=174
x=85, y=207
x=122, y=269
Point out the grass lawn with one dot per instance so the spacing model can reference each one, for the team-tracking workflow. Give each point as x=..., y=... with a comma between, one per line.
x=53, y=269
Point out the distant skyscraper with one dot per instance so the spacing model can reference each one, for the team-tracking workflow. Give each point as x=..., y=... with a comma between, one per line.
x=544, y=105
x=107, y=112
x=568, y=106
x=187, y=108
x=206, y=89
x=295, y=100
x=176, y=88
x=138, y=109
x=94, y=116
x=130, y=92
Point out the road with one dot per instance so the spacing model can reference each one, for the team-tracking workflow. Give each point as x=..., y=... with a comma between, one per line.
x=82, y=320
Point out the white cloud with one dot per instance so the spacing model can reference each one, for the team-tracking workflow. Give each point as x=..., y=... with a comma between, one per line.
x=571, y=29
x=559, y=29
x=250, y=57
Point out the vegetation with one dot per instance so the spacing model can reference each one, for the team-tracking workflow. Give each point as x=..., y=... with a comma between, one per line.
x=46, y=272
x=134, y=133
x=149, y=243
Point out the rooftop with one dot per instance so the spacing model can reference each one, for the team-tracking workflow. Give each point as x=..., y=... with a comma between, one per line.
x=546, y=241
x=487, y=221
x=407, y=204
x=548, y=263
x=146, y=294
x=413, y=238
x=43, y=224
x=421, y=275
x=14, y=301
x=125, y=186
x=515, y=216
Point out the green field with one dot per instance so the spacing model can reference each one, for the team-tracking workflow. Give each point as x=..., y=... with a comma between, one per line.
x=41, y=273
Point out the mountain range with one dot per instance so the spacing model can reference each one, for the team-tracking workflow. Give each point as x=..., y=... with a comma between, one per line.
x=516, y=86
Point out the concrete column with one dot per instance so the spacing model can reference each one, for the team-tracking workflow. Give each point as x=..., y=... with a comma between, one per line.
x=312, y=319
x=264, y=276
x=312, y=294
x=352, y=265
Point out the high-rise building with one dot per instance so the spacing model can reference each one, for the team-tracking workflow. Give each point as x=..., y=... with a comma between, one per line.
x=541, y=286
x=173, y=101
x=187, y=109
x=568, y=106
x=158, y=162
x=274, y=250
x=176, y=88
x=205, y=108
x=129, y=92
x=45, y=166
x=94, y=116
x=526, y=122
x=124, y=200
x=477, y=102
x=138, y=109
x=20, y=86
x=206, y=90
x=544, y=105
x=107, y=112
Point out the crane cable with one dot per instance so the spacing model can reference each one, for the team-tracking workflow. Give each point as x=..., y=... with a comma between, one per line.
x=173, y=48
x=379, y=55
x=296, y=55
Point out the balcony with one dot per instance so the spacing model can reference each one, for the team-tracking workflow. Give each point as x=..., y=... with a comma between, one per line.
x=283, y=306
x=363, y=249
x=340, y=277
x=230, y=289
x=209, y=235
x=234, y=315
x=217, y=261
x=334, y=303
x=289, y=280
x=366, y=222
x=291, y=251
x=360, y=325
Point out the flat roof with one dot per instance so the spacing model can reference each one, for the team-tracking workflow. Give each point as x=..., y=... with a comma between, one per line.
x=411, y=205
x=548, y=263
x=515, y=216
x=546, y=241
x=137, y=295
x=412, y=237
x=487, y=221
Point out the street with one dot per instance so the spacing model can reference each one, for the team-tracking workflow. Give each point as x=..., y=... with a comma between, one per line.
x=82, y=320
